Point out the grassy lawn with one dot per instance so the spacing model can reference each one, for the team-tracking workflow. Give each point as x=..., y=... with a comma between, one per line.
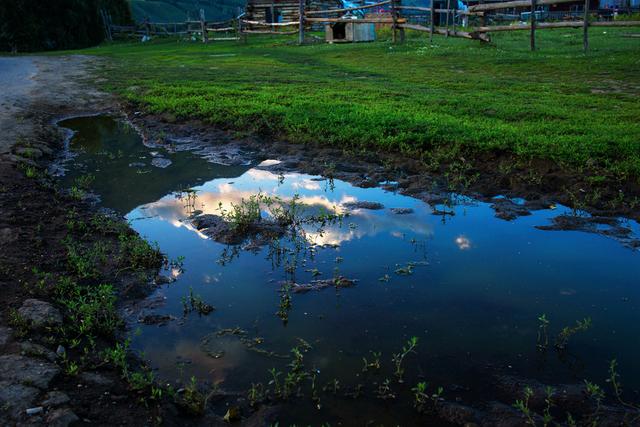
x=457, y=96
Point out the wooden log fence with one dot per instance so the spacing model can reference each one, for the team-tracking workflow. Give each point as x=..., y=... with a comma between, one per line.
x=398, y=22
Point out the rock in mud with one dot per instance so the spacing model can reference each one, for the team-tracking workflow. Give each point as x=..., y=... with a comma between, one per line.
x=156, y=319
x=40, y=313
x=61, y=418
x=402, y=211
x=27, y=371
x=570, y=397
x=364, y=205
x=508, y=210
x=7, y=236
x=96, y=379
x=29, y=152
x=316, y=285
x=16, y=398
x=36, y=350
x=232, y=415
x=163, y=279
x=5, y=335
x=218, y=229
x=599, y=225
x=54, y=399
x=456, y=413
x=502, y=415
x=161, y=162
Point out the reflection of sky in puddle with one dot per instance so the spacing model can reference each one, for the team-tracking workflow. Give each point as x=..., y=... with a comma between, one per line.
x=485, y=281
x=312, y=193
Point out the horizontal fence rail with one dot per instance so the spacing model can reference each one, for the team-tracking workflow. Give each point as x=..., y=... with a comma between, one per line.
x=391, y=13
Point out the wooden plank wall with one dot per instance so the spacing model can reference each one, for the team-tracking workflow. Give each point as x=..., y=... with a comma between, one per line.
x=289, y=9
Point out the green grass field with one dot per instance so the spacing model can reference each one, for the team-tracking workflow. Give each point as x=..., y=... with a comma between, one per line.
x=582, y=111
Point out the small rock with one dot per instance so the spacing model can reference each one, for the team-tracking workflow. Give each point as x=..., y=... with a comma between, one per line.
x=364, y=205
x=40, y=313
x=402, y=211
x=137, y=165
x=61, y=418
x=163, y=279
x=161, y=162
x=28, y=152
x=156, y=319
x=16, y=398
x=5, y=335
x=55, y=398
x=61, y=351
x=233, y=414
x=508, y=210
x=27, y=371
x=34, y=411
x=36, y=350
x=96, y=379
x=7, y=236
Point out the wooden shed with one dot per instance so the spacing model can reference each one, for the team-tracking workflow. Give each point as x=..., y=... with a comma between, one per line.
x=274, y=11
x=349, y=32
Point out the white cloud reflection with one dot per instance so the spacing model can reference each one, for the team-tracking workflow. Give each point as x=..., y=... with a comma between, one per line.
x=358, y=224
x=463, y=243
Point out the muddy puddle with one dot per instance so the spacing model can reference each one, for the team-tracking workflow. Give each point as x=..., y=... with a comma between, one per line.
x=468, y=285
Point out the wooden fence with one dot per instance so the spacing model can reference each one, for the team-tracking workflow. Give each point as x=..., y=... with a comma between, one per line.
x=238, y=28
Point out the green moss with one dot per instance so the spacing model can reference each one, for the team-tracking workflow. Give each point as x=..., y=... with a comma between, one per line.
x=556, y=103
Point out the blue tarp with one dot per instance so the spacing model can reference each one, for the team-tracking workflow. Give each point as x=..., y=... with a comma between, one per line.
x=419, y=3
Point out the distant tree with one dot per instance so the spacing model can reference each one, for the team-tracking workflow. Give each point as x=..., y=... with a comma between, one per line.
x=28, y=25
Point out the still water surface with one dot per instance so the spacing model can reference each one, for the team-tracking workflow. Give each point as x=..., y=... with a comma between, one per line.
x=477, y=287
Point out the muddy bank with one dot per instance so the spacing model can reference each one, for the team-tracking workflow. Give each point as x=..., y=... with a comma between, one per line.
x=39, y=381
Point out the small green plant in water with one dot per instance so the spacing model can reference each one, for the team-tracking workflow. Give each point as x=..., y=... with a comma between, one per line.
x=614, y=379
x=285, y=303
x=196, y=303
x=398, y=358
x=522, y=405
x=543, y=335
x=568, y=331
x=256, y=394
x=374, y=364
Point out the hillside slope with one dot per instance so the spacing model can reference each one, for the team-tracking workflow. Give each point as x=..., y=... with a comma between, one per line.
x=181, y=10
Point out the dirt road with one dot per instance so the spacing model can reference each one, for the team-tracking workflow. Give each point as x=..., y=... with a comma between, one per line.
x=37, y=89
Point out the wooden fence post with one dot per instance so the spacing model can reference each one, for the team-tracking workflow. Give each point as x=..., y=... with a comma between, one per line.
x=585, y=27
x=448, y=7
x=301, y=22
x=203, y=27
x=533, y=25
x=453, y=18
x=394, y=19
x=107, y=25
x=431, y=24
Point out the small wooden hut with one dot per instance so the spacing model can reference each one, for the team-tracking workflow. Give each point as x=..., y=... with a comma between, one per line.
x=350, y=32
